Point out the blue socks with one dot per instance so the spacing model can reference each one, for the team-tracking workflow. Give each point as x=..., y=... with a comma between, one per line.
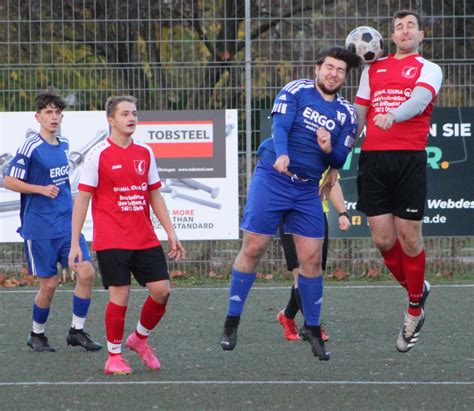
x=240, y=286
x=40, y=315
x=80, y=306
x=311, y=293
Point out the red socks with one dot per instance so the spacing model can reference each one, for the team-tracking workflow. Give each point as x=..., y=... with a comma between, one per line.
x=151, y=314
x=393, y=259
x=399, y=264
x=415, y=281
x=114, y=323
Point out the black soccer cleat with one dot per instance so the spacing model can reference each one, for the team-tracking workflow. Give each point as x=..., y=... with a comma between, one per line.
x=315, y=339
x=426, y=293
x=81, y=338
x=39, y=342
x=229, y=336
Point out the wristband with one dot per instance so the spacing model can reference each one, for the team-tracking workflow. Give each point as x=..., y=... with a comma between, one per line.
x=345, y=213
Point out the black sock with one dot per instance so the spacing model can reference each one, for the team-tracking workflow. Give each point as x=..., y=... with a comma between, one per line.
x=298, y=299
x=292, y=307
x=231, y=321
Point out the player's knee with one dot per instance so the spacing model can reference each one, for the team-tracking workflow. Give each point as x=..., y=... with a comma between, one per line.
x=86, y=273
x=161, y=295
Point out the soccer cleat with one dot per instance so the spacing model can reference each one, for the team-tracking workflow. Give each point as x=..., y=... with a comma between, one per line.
x=117, y=365
x=426, y=293
x=229, y=336
x=288, y=324
x=39, y=342
x=316, y=342
x=143, y=349
x=410, y=331
x=81, y=338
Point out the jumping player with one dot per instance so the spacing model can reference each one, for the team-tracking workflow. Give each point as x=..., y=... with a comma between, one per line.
x=40, y=172
x=395, y=99
x=121, y=178
x=285, y=186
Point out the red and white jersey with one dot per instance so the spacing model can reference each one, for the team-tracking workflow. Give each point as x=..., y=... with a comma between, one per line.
x=120, y=180
x=386, y=84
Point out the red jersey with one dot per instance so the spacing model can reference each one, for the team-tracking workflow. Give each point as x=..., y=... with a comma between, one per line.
x=386, y=84
x=120, y=180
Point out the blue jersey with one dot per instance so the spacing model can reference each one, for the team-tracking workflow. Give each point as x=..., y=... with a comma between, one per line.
x=298, y=111
x=40, y=163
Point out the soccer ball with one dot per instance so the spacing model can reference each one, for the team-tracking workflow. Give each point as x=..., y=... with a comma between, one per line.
x=366, y=42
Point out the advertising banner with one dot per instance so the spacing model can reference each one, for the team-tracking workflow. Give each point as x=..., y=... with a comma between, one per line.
x=449, y=209
x=197, y=160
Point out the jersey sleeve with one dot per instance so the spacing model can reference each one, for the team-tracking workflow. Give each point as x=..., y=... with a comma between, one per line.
x=153, y=177
x=89, y=179
x=431, y=77
x=363, y=93
x=20, y=164
x=283, y=114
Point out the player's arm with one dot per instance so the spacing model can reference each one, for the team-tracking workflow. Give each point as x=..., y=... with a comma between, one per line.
x=414, y=106
x=79, y=213
x=175, y=249
x=361, y=112
x=283, y=115
x=20, y=186
x=337, y=199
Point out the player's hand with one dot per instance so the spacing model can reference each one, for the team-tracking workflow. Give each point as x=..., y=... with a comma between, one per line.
x=323, y=137
x=281, y=164
x=75, y=257
x=344, y=223
x=384, y=121
x=175, y=248
x=328, y=183
x=50, y=191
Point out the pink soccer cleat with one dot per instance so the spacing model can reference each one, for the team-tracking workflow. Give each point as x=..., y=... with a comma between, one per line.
x=288, y=324
x=146, y=353
x=117, y=365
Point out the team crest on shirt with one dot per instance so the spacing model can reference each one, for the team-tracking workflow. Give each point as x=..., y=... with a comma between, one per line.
x=409, y=71
x=139, y=166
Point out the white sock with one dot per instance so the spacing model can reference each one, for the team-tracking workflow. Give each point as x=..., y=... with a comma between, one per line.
x=38, y=328
x=78, y=322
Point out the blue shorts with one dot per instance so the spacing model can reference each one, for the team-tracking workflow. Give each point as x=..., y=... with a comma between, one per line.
x=43, y=256
x=274, y=197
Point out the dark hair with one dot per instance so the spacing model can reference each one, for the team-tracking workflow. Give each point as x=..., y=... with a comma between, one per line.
x=112, y=103
x=49, y=97
x=351, y=59
x=403, y=13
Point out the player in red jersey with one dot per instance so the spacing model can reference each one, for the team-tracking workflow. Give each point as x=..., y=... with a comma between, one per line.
x=394, y=100
x=121, y=178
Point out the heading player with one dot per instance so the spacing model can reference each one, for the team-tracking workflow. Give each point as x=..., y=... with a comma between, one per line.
x=395, y=100
x=121, y=178
x=313, y=128
x=40, y=172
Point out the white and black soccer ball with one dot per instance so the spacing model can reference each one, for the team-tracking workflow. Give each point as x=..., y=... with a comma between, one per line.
x=366, y=42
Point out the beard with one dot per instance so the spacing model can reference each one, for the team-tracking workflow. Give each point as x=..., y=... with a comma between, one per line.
x=324, y=89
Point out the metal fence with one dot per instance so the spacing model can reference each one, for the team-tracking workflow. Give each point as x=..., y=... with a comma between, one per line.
x=211, y=55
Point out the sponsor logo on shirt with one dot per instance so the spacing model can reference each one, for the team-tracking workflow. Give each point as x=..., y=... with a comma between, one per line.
x=116, y=166
x=409, y=71
x=58, y=171
x=382, y=70
x=319, y=119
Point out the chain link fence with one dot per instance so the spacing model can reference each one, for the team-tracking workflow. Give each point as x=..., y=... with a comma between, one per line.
x=176, y=55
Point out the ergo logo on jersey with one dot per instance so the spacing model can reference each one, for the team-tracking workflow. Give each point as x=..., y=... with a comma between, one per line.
x=319, y=119
x=58, y=171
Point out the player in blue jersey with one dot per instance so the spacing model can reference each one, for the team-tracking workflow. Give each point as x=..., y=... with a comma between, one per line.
x=40, y=172
x=313, y=128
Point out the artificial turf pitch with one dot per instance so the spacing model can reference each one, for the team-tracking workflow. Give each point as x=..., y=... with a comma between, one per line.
x=264, y=371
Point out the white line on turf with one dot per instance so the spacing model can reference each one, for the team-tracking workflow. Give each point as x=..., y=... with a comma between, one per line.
x=208, y=382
